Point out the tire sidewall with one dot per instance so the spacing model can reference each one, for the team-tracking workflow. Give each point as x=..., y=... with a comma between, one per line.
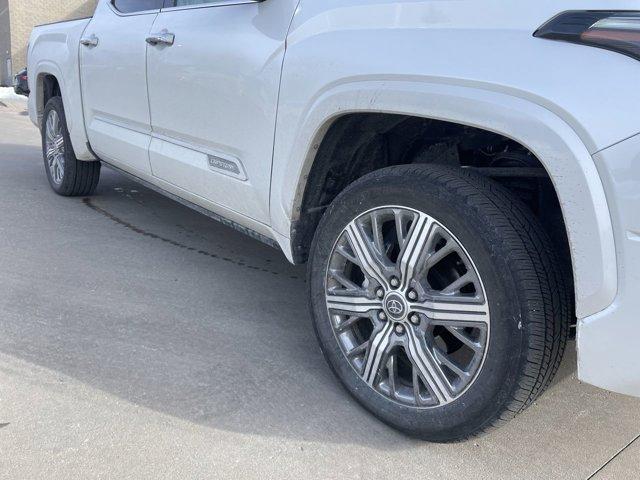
x=495, y=382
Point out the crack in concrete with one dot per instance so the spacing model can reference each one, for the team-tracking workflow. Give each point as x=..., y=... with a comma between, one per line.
x=614, y=457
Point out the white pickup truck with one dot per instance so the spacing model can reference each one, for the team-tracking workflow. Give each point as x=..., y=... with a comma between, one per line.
x=462, y=177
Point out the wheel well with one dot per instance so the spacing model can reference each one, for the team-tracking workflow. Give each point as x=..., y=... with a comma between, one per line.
x=47, y=88
x=359, y=143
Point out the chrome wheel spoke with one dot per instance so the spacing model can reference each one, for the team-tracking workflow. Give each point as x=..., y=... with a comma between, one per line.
x=442, y=312
x=456, y=285
x=50, y=126
x=342, y=250
x=415, y=378
x=412, y=247
x=392, y=371
x=60, y=168
x=458, y=332
x=367, y=258
x=359, y=350
x=352, y=303
x=378, y=348
x=439, y=255
x=347, y=323
x=376, y=228
x=451, y=365
x=402, y=221
x=427, y=367
x=342, y=279
x=51, y=151
x=54, y=122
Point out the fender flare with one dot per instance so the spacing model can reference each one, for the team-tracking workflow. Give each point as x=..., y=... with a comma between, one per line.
x=555, y=143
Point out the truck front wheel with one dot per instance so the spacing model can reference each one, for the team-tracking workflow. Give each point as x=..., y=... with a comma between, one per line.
x=437, y=299
x=67, y=175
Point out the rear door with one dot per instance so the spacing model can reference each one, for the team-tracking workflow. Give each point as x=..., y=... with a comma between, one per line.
x=114, y=82
x=214, y=77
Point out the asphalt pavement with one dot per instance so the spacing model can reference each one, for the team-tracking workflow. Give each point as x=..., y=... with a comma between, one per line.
x=139, y=339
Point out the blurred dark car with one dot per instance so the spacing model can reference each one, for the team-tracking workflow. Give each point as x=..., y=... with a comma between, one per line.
x=20, y=83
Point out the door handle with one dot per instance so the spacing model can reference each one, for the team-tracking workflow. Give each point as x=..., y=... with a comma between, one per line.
x=162, y=38
x=91, y=41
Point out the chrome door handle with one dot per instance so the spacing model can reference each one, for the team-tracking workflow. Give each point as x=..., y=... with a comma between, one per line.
x=162, y=38
x=91, y=41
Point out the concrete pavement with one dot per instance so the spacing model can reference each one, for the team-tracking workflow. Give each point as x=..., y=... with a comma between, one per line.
x=139, y=339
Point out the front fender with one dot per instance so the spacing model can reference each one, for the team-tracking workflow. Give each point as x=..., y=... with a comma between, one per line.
x=550, y=138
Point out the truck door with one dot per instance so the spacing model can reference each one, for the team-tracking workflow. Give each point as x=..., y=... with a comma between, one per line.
x=214, y=74
x=114, y=82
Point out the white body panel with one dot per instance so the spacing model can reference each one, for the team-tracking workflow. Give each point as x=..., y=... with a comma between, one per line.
x=260, y=83
x=53, y=50
x=607, y=341
x=215, y=91
x=114, y=87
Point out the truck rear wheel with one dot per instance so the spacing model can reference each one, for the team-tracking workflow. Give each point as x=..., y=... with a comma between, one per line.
x=67, y=175
x=437, y=300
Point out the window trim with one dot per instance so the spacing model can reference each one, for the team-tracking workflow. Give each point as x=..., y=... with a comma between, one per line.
x=218, y=3
x=130, y=14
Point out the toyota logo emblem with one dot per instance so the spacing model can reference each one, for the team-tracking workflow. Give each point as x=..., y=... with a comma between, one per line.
x=395, y=307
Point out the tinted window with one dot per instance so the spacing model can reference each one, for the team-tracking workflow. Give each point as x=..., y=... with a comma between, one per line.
x=131, y=6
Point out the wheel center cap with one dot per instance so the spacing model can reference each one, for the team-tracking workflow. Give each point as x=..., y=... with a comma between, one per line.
x=395, y=306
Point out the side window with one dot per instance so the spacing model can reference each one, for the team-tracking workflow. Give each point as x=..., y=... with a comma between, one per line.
x=132, y=6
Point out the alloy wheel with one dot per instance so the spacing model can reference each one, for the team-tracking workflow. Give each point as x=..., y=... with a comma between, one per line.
x=407, y=307
x=54, y=147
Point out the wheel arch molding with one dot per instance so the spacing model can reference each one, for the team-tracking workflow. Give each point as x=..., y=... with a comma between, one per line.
x=560, y=150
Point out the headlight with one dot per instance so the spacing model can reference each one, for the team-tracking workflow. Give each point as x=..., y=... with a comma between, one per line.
x=618, y=31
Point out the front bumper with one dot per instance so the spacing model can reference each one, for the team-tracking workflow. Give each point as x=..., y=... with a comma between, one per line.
x=609, y=341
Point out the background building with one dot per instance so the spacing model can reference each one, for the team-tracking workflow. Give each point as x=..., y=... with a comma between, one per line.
x=18, y=17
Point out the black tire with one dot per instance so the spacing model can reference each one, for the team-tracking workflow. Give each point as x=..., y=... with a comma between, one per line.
x=80, y=178
x=529, y=300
